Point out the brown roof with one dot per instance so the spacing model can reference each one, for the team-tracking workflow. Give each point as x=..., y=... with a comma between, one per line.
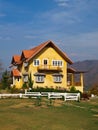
x=28, y=54
x=39, y=48
x=15, y=59
x=72, y=70
x=16, y=73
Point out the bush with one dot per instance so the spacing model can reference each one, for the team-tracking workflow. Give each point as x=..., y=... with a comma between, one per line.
x=14, y=89
x=85, y=96
x=41, y=89
x=72, y=89
x=94, y=90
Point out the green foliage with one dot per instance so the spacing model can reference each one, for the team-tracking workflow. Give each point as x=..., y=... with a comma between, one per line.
x=14, y=89
x=72, y=89
x=85, y=96
x=24, y=86
x=30, y=81
x=69, y=116
x=5, y=81
x=38, y=101
x=47, y=89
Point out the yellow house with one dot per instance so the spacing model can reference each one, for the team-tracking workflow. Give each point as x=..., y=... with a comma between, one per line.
x=48, y=67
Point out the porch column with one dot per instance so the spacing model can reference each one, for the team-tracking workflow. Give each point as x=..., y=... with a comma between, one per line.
x=81, y=79
x=72, y=79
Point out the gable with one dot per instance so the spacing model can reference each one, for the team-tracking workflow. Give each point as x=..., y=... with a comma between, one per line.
x=15, y=59
x=49, y=44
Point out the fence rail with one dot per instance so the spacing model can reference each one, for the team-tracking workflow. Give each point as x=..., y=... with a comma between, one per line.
x=50, y=95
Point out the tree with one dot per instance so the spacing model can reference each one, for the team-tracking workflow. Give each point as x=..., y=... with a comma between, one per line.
x=5, y=80
x=1, y=67
x=30, y=81
x=94, y=89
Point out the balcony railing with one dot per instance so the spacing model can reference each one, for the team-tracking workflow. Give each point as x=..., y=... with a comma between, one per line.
x=74, y=84
x=49, y=67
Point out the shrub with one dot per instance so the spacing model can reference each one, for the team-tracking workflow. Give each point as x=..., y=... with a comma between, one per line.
x=85, y=96
x=73, y=89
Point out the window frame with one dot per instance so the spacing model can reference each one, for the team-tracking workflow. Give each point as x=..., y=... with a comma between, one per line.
x=57, y=78
x=36, y=62
x=57, y=63
x=46, y=60
x=39, y=78
x=25, y=78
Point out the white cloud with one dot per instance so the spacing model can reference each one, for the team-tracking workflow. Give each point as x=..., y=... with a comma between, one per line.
x=62, y=3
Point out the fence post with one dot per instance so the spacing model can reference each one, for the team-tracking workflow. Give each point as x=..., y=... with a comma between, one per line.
x=65, y=96
x=20, y=95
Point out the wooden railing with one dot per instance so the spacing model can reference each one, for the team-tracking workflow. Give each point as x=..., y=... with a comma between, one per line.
x=74, y=84
x=49, y=67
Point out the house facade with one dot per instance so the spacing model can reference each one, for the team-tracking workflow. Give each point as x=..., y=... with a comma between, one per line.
x=48, y=67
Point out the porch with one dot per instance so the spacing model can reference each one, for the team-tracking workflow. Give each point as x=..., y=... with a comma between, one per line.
x=75, y=78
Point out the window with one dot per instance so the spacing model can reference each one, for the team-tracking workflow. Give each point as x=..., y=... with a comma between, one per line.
x=40, y=78
x=58, y=78
x=25, y=78
x=45, y=62
x=17, y=78
x=57, y=63
x=36, y=62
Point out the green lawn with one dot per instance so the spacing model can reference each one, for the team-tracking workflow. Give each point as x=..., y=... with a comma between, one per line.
x=23, y=114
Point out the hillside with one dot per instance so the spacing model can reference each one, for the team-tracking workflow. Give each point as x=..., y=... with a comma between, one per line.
x=91, y=66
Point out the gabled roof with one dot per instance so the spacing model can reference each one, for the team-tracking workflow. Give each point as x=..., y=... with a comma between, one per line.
x=16, y=73
x=15, y=59
x=26, y=54
x=29, y=54
x=39, y=48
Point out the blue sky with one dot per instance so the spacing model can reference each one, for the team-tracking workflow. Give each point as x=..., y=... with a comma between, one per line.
x=71, y=24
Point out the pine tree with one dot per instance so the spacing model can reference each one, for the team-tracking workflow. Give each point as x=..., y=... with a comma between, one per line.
x=5, y=80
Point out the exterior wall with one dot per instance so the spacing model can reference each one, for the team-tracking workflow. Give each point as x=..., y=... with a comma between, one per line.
x=49, y=54
x=18, y=84
x=80, y=88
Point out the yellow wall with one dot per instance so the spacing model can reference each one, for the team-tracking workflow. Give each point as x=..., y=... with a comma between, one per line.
x=50, y=54
x=18, y=84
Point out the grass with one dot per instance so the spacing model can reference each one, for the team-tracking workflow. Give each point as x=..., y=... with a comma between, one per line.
x=24, y=114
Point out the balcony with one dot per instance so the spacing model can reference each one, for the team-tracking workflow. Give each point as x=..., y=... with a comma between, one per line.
x=74, y=84
x=49, y=68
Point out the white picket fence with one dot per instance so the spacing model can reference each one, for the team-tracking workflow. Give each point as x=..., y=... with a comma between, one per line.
x=50, y=95
x=66, y=96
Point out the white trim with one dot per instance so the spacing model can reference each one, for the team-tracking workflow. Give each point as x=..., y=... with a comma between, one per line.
x=36, y=60
x=57, y=63
x=39, y=78
x=57, y=79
